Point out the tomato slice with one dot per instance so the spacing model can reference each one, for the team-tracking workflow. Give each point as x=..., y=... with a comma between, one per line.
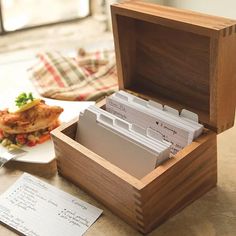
x=44, y=138
x=21, y=139
x=1, y=135
x=31, y=143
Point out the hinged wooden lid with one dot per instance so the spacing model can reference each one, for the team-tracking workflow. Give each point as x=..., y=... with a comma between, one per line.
x=180, y=58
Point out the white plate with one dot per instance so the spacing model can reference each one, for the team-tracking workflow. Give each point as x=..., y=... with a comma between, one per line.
x=44, y=153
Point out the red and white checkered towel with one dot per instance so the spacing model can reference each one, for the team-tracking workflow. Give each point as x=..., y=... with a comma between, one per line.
x=88, y=77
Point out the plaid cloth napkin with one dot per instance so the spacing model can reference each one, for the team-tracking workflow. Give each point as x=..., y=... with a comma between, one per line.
x=90, y=76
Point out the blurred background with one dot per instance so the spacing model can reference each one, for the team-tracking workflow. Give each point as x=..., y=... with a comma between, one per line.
x=41, y=25
x=18, y=14
x=21, y=14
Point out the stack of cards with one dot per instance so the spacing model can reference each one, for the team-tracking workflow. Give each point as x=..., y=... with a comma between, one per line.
x=132, y=148
x=178, y=129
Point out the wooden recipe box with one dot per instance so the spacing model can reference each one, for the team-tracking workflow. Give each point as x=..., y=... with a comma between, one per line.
x=179, y=58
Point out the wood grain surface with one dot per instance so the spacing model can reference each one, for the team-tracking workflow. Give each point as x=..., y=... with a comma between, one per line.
x=182, y=58
x=143, y=203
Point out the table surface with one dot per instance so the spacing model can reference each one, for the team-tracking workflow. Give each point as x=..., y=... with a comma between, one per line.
x=212, y=214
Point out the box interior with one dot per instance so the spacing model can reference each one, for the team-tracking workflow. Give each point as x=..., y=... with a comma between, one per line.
x=70, y=131
x=165, y=64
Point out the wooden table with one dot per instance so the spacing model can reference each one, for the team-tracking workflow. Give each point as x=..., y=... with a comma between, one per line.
x=213, y=214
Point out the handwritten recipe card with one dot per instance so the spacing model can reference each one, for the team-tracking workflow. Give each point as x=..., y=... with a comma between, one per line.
x=36, y=208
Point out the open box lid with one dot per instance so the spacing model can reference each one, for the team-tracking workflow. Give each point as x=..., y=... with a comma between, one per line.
x=180, y=58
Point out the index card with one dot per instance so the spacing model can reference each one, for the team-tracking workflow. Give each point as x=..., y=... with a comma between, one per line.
x=35, y=208
x=119, y=149
x=180, y=130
